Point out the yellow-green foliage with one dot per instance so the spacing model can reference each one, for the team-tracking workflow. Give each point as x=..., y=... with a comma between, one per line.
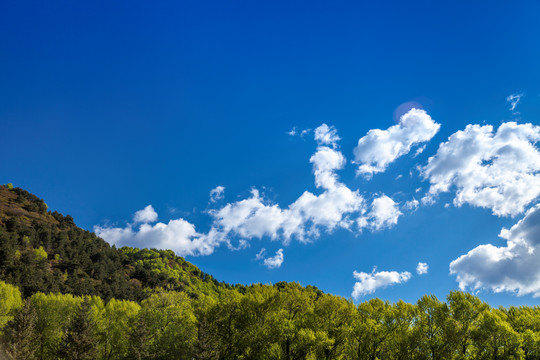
x=54, y=312
x=170, y=317
x=40, y=253
x=285, y=321
x=114, y=322
x=10, y=301
x=174, y=271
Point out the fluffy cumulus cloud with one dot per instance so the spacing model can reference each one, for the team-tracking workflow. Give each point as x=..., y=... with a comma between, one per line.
x=146, y=215
x=498, y=170
x=379, y=148
x=422, y=268
x=368, y=283
x=384, y=213
x=217, y=193
x=333, y=206
x=178, y=235
x=275, y=261
x=303, y=219
x=512, y=268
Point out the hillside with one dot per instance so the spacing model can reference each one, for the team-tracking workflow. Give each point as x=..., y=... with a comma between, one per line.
x=44, y=251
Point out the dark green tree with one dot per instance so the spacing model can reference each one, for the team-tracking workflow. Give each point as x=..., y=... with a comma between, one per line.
x=139, y=339
x=19, y=338
x=80, y=342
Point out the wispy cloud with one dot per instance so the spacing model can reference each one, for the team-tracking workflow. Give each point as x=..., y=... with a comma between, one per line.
x=326, y=135
x=412, y=205
x=261, y=254
x=275, y=261
x=297, y=132
x=292, y=132
x=514, y=100
x=217, y=193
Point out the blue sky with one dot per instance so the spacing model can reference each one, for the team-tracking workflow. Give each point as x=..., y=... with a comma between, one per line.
x=108, y=108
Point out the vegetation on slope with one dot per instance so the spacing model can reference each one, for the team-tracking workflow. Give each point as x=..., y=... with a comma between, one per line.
x=44, y=251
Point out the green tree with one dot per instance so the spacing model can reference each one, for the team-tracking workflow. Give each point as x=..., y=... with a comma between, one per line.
x=54, y=314
x=225, y=317
x=373, y=329
x=495, y=339
x=465, y=310
x=526, y=321
x=432, y=328
x=206, y=346
x=19, y=336
x=114, y=324
x=403, y=343
x=171, y=325
x=79, y=342
x=335, y=316
x=10, y=301
x=292, y=323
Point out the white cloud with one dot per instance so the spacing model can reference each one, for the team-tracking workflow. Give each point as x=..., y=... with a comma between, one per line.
x=296, y=132
x=308, y=215
x=384, y=213
x=326, y=135
x=303, y=219
x=177, y=235
x=217, y=193
x=379, y=148
x=146, y=215
x=325, y=162
x=249, y=218
x=419, y=150
x=412, y=205
x=498, y=171
x=369, y=283
x=336, y=206
x=422, y=268
x=511, y=268
x=514, y=99
x=274, y=261
x=261, y=254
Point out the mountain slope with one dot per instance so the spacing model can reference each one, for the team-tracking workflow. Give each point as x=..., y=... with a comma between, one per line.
x=45, y=251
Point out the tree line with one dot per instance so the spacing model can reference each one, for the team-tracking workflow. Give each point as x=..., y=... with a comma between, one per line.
x=283, y=321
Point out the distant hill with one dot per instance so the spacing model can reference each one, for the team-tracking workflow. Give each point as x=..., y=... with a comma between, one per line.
x=44, y=251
